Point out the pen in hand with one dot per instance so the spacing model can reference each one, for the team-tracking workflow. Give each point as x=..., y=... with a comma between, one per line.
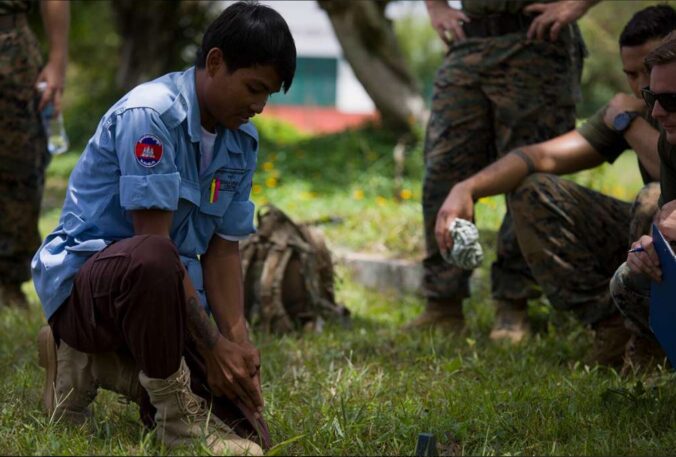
x=636, y=249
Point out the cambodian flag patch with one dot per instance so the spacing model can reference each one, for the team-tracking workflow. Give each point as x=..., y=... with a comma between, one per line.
x=148, y=151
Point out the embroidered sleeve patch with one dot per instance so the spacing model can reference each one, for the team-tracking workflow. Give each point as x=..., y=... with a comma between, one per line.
x=148, y=151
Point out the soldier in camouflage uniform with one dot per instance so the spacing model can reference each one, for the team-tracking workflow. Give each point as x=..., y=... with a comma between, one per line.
x=571, y=237
x=23, y=148
x=497, y=89
x=630, y=286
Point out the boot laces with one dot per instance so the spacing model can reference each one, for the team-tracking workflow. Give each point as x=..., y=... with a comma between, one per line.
x=191, y=403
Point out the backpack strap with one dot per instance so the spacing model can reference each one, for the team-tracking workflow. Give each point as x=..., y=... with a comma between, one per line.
x=273, y=314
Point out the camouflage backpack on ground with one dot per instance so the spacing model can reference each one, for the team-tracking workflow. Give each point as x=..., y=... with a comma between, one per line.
x=288, y=275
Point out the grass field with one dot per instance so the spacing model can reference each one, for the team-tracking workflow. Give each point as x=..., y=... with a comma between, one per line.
x=370, y=389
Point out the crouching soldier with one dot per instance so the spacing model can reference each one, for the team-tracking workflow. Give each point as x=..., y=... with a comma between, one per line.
x=147, y=245
x=630, y=286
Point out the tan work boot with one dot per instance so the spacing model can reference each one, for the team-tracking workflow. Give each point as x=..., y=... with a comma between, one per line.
x=442, y=313
x=182, y=417
x=12, y=296
x=642, y=355
x=69, y=385
x=73, y=377
x=610, y=339
x=511, y=321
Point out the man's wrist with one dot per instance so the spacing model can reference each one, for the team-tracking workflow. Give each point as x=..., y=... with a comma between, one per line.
x=623, y=121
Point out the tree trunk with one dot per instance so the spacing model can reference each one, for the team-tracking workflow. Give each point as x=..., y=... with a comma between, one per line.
x=153, y=37
x=370, y=45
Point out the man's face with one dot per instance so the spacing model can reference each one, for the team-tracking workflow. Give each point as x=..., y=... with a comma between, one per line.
x=663, y=80
x=632, y=65
x=232, y=98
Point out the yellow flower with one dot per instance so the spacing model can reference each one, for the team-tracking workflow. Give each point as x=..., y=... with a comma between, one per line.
x=305, y=195
x=406, y=194
x=267, y=166
x=257, y=189
x=380, y=200
x=488, y=201
x=358, y=194
x=618, y=192
x=271, y=182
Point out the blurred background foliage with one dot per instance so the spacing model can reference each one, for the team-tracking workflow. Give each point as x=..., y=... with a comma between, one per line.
x=96, y=47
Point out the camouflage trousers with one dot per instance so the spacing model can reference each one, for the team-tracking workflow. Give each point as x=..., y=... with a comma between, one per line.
x=23, y=153
x=574, y=238
x=491, y=95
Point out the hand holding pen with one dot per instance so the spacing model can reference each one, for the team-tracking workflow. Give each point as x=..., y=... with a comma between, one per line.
x=643, y=258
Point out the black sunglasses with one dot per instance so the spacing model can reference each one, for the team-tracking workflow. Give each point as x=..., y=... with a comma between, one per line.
x=667, y=99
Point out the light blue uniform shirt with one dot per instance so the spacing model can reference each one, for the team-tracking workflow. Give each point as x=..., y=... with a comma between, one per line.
x=145, y=155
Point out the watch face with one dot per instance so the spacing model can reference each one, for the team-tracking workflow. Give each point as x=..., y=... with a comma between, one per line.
x=621, y=121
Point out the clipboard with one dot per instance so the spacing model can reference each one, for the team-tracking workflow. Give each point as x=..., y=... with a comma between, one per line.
x=663, y=297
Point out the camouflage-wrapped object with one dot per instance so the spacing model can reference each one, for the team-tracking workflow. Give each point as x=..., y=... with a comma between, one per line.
x=23, y=152
x=288, y=275
x=466, y=252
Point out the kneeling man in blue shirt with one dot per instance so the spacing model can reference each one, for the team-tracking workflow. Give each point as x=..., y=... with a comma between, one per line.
x=147, y=246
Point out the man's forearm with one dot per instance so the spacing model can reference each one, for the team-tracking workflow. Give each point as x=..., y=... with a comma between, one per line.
x=643, y=138
x=435, y=5
x=224, y=288
x=200, y=326
x=56, y=20
x=500, y=177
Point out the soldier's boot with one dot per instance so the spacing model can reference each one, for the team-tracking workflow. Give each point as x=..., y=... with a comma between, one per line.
x=610, y=339
x=511, y=321
x=69, y=384
x=182, y=417
x=642, y=355
x=12, y=296
x=442, y=313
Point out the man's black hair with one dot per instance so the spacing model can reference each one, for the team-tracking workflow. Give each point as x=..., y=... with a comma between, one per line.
x=651, y=23
x=251, y=34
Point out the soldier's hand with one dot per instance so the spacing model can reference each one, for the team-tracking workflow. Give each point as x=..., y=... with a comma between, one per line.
x=619, y=104
x=553, y=17
x=666, y=220
x=458, y=203
x=447, y=21
x=229, y=373
x=646, y=261
x=54, y=75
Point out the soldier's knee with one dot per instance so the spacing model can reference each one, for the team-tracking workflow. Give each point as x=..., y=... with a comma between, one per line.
x=628, y=286
x=531, y=188
x=527, y=200
x=649, y=194
x=617, y=283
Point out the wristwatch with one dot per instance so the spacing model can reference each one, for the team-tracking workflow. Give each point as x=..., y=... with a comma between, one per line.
x=623, y=120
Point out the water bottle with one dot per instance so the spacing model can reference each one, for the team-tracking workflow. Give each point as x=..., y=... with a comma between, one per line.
x=57, y=141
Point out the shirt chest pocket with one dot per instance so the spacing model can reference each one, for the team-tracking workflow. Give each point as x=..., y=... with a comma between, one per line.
x=217, y=195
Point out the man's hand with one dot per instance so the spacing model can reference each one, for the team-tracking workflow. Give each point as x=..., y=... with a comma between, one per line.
x=54, y=76
x=447, y=20
x=232, y=370
x=666, y=220
x=619, y=104
x=459, y=203
x=554, y=17
x=646, y=261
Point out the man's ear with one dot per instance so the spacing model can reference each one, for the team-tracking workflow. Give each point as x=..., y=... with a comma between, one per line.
x=214, y=61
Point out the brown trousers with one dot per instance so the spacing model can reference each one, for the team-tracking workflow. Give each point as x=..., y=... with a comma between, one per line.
x=130, y=298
